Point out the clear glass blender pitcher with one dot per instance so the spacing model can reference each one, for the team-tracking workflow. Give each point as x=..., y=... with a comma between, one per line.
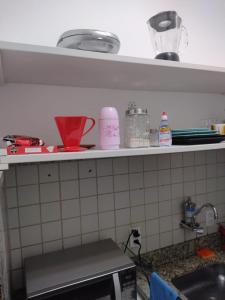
x=167, y=32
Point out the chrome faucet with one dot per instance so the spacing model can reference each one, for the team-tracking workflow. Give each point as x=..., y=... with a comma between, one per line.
x=198, y=210
x=191, y=224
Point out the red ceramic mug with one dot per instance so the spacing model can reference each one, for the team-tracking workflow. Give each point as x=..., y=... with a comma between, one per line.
x=71, y=129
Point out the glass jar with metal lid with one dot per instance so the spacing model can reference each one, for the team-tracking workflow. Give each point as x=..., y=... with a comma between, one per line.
x=137, y=126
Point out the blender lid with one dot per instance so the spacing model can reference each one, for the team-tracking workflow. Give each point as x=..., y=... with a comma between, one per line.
x=165, y=20
x=90, y=40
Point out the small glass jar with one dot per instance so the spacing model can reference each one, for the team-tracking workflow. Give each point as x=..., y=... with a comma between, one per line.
x=137, y=127
x=154, y=137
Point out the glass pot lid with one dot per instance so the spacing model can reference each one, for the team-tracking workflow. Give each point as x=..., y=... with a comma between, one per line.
x=90, y=40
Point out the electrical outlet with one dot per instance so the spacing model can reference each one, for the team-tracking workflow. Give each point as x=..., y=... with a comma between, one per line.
x=133, y=238
x=209, y=218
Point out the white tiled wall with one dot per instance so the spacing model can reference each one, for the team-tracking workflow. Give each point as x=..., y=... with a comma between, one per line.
x=58, y=205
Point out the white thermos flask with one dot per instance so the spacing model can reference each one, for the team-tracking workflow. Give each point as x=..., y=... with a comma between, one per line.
x=109, y=132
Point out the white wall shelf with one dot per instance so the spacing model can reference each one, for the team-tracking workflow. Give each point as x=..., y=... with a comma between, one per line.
x=32, y=64
x=92, y=154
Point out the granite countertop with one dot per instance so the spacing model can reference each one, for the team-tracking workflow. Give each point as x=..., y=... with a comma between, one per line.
x=177, y=268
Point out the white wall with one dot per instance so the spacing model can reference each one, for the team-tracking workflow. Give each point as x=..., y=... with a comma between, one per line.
x=41, y=22
x=30, y=109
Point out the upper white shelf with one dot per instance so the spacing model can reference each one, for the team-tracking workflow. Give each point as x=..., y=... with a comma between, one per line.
x=92, y=154
x=58, y=66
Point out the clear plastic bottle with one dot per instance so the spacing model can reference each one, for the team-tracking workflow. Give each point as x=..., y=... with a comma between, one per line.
x=165, y=136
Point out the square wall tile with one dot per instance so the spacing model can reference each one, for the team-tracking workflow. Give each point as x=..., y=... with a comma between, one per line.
x=106, y=220
x=10, y=176
x=135, y=164
x=150, y=163
x=200, y=157
x=69, y=189
x=152, y=227
x=152, y=211
x=89, y=205
x=200, y=187
x=90, y=237
x=200, y=172
x=105, y=184
x=138, y=214
x=70, y=208
x=13, y=218
x=164, y=192
x=71, y=227
x=177, y=190
x=164, y=161
x=49, y=192
x=188, y=159
x=87, y=168
x=164, y=177
x=122, y=200
x=30, y=251
x=178, y=236
x=120, y=165
x=136, y=181
x=14, y=238
x=68, y=170
x=211, y=157
x=176, y=160
x=166, y=239
x=104, y=167
x=150, y=178
x=71, y=242
x=52, y=246
x=89, y=223
x=121, y=183
x=153, y=242
x=122, y=216
x=137, y=197
x=27, y=174
x=165, y=224
x=151, y=195
x=28, y=194
x=48, y=172
x=11, y=197
x=220, y=156
x=105, y=202
x=88, y=187
x=177, y=205
x=52, y=231
x=177, y=175
x=189, y=173
x=107, y=234
x=30, y=235
x=29, y=215
x=50, y=212
x=122, y=233
x=165, y=208
x=189, y=188
x=211, y=184
x=211, y=171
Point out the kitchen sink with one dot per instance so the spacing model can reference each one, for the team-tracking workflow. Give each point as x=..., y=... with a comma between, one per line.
x=205, y=283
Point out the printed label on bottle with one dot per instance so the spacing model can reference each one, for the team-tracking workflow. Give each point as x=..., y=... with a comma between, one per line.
x=164, y=136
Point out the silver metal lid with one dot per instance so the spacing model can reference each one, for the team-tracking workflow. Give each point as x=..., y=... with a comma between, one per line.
x=133, y=110
x=90, y=40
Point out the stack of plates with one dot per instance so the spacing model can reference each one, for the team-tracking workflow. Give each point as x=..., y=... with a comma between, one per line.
x=194, y=136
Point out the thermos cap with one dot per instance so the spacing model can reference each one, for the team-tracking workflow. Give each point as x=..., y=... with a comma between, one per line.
x=109, y=113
